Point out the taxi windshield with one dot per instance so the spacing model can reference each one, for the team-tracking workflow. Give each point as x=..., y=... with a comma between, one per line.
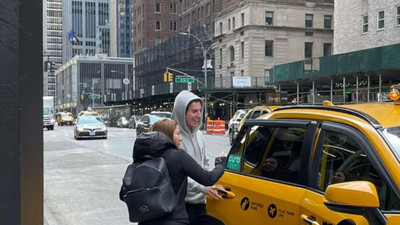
x=392, y=135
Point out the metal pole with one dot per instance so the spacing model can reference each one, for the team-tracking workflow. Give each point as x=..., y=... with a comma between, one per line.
x=92, y=95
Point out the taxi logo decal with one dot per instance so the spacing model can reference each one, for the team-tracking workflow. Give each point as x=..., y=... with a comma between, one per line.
x=272, y=210
x=245, y=203
x=233, y=162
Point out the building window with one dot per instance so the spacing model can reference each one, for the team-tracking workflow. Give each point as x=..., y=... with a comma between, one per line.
x=220, y=57
x=158, y=7
x=158, y=25
x=269, y=18
x=267, y=77
x=327, y=49
x=309, y=20
x=308, y=50
x=269, y=48
x=172, y=8
x=232, y=54
x=398, y=15
x=233, y=23
x=172, y=25
x=208, y=9
x=158, y=41
x=220, y=28
x=328, y=21
x=242, y=17
x=242, y=49
x=365, y=24
x=229, y=24
x=381, y=19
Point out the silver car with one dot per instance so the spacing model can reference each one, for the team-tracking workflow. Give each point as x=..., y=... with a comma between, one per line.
x=89, y=127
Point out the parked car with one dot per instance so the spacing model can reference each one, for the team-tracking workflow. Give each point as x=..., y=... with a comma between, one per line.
x=122, y=122
x=145, y=123
x=89, y=127
x=308, y=146
x=64, y=118
x=234, y=123
x=165, y=114
x=133, y=121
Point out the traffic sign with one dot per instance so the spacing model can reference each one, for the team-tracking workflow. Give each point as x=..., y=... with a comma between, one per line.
x=94, y=96
x=184, y=80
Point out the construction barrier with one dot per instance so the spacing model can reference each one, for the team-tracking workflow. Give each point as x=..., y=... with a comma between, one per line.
x=210, y=127
x=219, y=127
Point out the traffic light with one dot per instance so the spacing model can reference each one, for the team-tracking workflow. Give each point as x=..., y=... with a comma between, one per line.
x=168, y=77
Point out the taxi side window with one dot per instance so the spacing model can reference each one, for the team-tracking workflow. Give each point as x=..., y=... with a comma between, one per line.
x=274, y=152
x=344, y=160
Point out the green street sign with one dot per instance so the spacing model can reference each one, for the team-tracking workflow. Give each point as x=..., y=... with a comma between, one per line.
x=184, y=80
x=94, y=96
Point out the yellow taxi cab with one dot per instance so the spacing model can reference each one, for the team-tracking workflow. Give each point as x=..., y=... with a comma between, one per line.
x=315, y=165
x=64, y=118
x=88, y=113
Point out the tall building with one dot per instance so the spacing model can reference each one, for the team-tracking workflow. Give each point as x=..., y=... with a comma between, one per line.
x=120, y=28
x=252, y=37
x=52, y=43
x=86, y=28
x=366, y=24
x=153, y=21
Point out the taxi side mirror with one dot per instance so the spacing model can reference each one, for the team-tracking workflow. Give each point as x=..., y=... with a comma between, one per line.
x=357, y=198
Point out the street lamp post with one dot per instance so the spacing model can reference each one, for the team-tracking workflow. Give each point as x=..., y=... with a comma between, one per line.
x=205, y=74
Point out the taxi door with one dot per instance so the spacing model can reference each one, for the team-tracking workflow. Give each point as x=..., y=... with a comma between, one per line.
x=254, y=194
x=340, y=149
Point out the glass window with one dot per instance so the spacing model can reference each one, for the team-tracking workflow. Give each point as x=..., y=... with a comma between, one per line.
x=242, y=17
x=398, y=15
x=343, y=159
x=269, y=48
x=273, y=152
x=158, y=25
x=381, y=19
x=267, y=77
x=365, y=24
x=327, y=21
x=233, y=23
x=327, y=49
x=229, y=24
x=158, y=7
x=309, y=20
x=269, y=18
x=242, y=49
x=308, y=47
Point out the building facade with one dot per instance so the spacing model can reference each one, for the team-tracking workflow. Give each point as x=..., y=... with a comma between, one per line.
x=86, y=28
x=120, y=28
x=366, y=24
x=90, y=81
x=52, y=43
x=252, y=37
x=153, y=22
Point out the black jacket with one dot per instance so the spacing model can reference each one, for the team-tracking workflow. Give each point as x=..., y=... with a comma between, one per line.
x=180, y=165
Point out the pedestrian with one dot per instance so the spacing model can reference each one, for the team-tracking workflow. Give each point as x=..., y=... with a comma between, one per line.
x=187, y=111
x=165, y=136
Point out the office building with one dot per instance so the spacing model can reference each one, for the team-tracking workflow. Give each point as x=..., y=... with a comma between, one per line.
x=120, y=28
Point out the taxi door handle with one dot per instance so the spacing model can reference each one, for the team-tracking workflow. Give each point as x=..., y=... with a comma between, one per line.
x=308, y=221
x=226, y=194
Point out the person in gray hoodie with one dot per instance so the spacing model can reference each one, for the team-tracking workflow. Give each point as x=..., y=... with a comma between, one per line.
x=187, y=111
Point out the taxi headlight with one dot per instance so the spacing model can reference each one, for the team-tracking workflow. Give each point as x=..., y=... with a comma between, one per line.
x=103, y=128
x=80, y=129
x=53, y=120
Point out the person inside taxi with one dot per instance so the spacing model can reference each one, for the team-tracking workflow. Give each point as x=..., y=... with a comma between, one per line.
x=340, y=176
x=269, y=167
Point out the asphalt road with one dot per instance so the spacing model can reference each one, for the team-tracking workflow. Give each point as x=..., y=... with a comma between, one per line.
x=82, y=178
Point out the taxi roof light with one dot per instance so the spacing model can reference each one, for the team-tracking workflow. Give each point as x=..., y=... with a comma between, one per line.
x=394, y=94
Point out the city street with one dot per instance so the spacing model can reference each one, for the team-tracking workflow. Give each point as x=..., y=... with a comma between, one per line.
x=82, y=178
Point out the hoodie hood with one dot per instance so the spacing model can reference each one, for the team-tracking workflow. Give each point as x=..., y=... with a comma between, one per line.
x=151, y=144
x=181, y=103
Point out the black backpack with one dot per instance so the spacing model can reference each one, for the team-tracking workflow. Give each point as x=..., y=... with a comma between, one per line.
x=147, y=190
